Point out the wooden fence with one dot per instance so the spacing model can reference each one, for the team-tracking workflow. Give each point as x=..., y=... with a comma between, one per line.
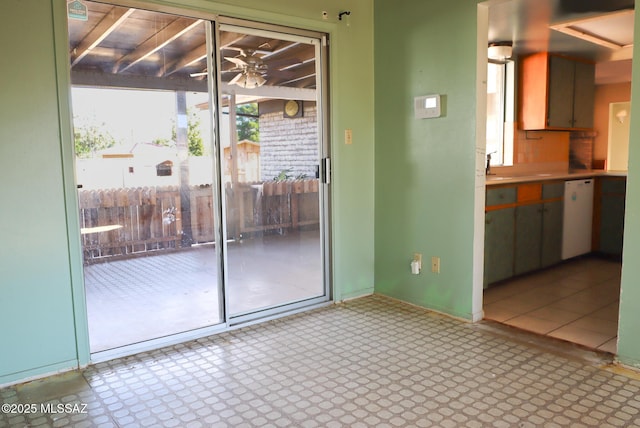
x=125, y=222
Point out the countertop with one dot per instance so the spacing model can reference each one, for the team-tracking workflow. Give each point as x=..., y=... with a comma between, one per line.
x=492, y=180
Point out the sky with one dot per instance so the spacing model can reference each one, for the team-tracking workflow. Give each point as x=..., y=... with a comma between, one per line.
x=130, y=116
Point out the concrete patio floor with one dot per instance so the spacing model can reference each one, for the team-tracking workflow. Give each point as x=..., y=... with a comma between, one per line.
x=130, y=301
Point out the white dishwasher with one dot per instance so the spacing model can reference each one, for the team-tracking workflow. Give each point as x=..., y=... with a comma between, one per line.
x=577, y=218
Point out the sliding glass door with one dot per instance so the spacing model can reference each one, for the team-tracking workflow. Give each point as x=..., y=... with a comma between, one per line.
x=198, y=153
x=145, y=167
x=272, y=149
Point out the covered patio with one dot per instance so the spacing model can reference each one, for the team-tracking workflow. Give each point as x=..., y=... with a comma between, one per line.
x=162, y=293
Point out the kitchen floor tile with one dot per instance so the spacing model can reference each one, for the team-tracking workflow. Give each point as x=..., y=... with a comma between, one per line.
x=576, y=301
x=596, y=325
x=498, y=313
x=581, y=336
x=609, y=312
x=582, y=306
x=536, y=325
x=554, y=314
x=610, y=346
x=572, y=283
x=520, y=305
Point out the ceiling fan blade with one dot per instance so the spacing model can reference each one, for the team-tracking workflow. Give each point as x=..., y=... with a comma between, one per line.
x=236, y=78
x=236, y=61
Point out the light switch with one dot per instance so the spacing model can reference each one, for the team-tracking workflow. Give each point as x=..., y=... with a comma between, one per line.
x=348, y=136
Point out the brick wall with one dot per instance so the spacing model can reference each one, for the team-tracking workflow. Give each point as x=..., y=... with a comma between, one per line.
x=289, y=143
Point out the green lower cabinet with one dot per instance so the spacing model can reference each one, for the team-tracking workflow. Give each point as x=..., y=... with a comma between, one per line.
x=498, y=245
x=528, y=238
x=525, y=238
x=538, y=236
x=612, y=223
x=551, y=233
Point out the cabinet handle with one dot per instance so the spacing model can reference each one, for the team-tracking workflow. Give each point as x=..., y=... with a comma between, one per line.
x=487, y=221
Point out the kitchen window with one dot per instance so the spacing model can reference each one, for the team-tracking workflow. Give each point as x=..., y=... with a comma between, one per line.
x=500, y=112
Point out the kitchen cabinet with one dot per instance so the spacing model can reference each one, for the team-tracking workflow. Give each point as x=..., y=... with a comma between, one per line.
x=556, y=93
x=610, y=201
x=539, y=228
x=523, y=229
x=498, y=245
x=499, y=234
x=528, y=238
x=551, y=247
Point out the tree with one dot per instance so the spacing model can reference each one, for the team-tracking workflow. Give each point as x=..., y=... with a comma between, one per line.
x=247, y=122
x=194, y=139
x=89, y=139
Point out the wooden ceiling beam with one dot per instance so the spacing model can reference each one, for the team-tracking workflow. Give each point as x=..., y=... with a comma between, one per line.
x=196, y=55
x=301, y=52
x=162, y=38
x=270, y=92
x=112, y=20
x=227, y=39
x=118, y=81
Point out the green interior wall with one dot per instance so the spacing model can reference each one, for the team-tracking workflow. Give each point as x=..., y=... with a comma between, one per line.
x=425, y=168
x=40, y=259
x=36, y=309
x=629, y=319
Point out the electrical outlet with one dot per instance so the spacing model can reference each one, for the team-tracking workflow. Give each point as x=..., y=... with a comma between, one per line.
x=418, y=257
x=435, y=264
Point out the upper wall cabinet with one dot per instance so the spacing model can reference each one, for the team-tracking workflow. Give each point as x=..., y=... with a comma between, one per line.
x=556, y=93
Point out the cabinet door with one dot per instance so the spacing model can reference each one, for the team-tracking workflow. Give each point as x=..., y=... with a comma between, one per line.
x=551, y=233
x=560, y=102
x=528, y=238
x=498, y=245
x=500, y=196
x=584, y=95
x=612, y=223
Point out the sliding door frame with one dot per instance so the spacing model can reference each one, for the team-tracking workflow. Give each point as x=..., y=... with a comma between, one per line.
x=213, y=23
x=320, y=41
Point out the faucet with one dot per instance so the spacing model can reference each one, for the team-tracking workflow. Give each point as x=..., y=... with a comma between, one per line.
x=488, y=169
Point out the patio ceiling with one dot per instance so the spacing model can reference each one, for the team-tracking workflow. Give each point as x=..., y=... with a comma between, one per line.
x=132, y=48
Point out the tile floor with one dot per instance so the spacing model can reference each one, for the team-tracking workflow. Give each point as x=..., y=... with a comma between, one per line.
x=576, y=301
x=364, y=363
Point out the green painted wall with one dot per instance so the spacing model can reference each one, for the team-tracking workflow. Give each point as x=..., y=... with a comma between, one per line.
x=36, y=311
x=629, y=321
x=425, y=169
x=40, y=259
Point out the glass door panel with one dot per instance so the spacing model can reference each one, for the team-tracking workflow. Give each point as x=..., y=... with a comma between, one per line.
x=271, y=149
x=145, y=172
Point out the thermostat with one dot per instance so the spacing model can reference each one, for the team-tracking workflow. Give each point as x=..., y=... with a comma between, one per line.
x=426, y=106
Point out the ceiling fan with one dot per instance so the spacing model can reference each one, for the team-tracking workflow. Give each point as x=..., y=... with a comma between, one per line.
x=250, y=67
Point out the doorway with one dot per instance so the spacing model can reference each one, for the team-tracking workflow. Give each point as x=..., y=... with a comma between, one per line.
x=576, y=300
x=199, y=147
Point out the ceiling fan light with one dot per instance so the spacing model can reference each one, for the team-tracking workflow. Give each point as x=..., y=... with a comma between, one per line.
x=250, y=80
x=260, y=80
x=500, y=52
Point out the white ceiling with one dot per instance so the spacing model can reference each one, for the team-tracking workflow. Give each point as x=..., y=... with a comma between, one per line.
x=527, y=24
